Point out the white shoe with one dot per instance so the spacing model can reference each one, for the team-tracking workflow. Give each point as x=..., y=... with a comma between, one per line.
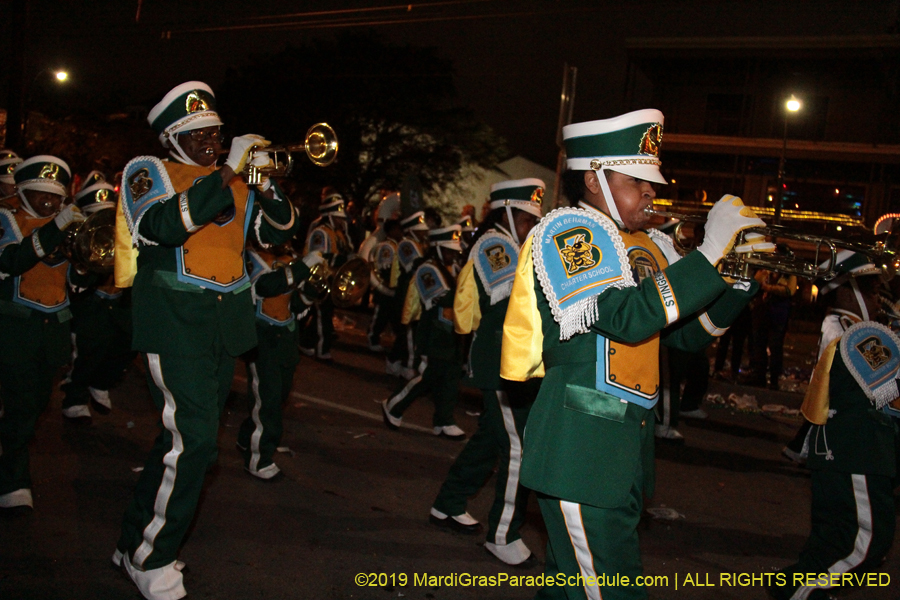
x=79, y=411
x=464, y=523
x=117, y=560
x=450, y=431
x=164, y=583
x=697, y=413
x=796, y=457
x=17, y=498
x=513, y=553
x=668, y=433
x=390, y=420
x=306, y=351
x=376, y=347
x=101, y=397
x=266, y=472
x=325, y=356
x=408, y=374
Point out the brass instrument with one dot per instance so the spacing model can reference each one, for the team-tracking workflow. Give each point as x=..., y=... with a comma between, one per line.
x=320, y=145
x=346, y=285
x=883, y=251
x=90, y=246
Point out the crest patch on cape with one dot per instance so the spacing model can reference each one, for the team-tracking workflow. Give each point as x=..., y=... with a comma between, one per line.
x=578, y=254
x=495, y=257
x=430, y=284
x=872, y=355
x=146, y=182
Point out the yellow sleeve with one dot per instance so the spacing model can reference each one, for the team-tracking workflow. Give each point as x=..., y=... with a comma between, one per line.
x=395, y=271
x=523, y=337
x=126, y=254
x=466, y=308
x=412, y=306
x=816, y=402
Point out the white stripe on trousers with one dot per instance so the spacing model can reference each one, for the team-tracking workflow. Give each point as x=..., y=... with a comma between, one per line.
x=571, y=512
x=515, y=463
x=410, y=348
x=393, y=401
x=170, y=460
x=254, y=414
x=863, y=537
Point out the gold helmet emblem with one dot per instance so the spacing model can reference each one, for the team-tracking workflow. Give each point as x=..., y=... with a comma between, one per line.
x=651, y=140
x=537, y=196
x=50, y=171
x=195, y=103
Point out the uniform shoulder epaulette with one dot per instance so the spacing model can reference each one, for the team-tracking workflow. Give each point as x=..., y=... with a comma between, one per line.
x=145, y=182
x=495, y=257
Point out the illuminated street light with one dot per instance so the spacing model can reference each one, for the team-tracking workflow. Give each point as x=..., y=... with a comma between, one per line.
x=791, y=105
x=61, y=76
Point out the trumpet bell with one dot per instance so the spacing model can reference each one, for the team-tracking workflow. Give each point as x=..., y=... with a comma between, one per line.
x=321, y=144
x=91, y=246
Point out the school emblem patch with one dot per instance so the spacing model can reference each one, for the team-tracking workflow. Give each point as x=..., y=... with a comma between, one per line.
x=146, y=182
x=643, y=263
x=495, y=257
x=872, y=355
x=430, y=284
x=578, y=254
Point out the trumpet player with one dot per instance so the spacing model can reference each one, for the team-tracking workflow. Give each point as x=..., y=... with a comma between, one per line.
x=594, y=295
x=101, y=323
x=34, y=312
x=328, y=236
x=192, y=311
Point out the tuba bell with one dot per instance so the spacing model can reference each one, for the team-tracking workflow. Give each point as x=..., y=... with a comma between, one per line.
x=346, y=285
x=90, y=246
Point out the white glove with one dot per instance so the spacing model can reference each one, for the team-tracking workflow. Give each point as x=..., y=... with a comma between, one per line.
x=727, y=217
x=68, y=215
x=754, y=242
x=240, y=150
x=313, y=258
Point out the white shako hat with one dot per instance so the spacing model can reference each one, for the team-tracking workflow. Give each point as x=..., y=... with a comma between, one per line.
x=333, y=205
x=446, y=237
x=524, y=194
x=43, y=173
x=95, y=193
x=189, y=106
x=627, y=144
x=8, y=162
x=415, y=222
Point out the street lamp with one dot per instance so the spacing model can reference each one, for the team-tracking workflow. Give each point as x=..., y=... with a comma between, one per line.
x=791, y=105
x=60, y=75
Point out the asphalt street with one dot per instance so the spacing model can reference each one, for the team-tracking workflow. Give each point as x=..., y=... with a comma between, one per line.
x=353, y=505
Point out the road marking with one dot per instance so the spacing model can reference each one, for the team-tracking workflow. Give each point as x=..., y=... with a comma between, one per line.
x=347, y=409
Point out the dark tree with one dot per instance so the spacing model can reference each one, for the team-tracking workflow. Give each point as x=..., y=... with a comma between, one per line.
x=391, y=106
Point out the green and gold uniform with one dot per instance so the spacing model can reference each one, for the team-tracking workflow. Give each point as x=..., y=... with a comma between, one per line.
x=588, y=445
x=34, y=333
x=193, y=314
x=271, y=366
x=334, y=244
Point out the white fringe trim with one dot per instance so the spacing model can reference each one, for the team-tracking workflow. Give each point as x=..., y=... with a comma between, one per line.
x=578, y=317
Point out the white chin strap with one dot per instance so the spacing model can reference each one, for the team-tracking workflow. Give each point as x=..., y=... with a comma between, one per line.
x=512, y=225
x=178, y=153
x=26, y=206
x=610, y=201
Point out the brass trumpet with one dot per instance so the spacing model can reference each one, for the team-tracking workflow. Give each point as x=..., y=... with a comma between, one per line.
x=320, y=145
x=883, y=251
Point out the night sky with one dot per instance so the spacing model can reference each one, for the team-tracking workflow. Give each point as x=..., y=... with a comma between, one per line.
x=508, y=55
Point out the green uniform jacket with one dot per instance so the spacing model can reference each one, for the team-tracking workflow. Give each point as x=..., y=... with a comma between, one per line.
x=858, y=438
x=181, y=318
x=587, y=446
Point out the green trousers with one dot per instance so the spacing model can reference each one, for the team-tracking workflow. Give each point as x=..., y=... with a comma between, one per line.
x=497, y=442
x=190, y=392
x=101, y=336
x=318, y=333
x=441, y=381
x=270, y=378
x=34, y=349
x=591, y=542
x=852, y=530
x=385, y=313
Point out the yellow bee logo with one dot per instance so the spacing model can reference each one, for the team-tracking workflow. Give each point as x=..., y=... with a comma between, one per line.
x=577, y=254
x=497, y=257
x=875, y=353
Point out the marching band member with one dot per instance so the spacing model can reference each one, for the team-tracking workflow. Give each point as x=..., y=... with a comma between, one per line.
x=34, y=312
x=328, y=236
x=410, y=254
x=482, y=296
x=192, y=311
x=8, y=162
x=429, y=300
x=101, y=323
x=853, y=455
x=593, y=297
x=382, y=259
x=275, y=276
